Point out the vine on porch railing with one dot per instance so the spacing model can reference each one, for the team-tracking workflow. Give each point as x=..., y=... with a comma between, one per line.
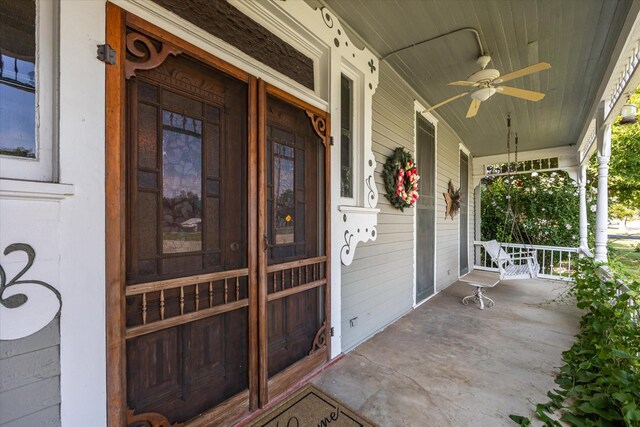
x=599, y=384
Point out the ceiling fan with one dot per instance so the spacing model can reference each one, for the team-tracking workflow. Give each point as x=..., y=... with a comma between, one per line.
x=487, y=80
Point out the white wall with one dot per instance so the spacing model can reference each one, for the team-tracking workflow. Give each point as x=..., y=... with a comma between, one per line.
x=29, y=364
x=64, y=223
x=377, y=287
x=447, y=238
x=82, y=217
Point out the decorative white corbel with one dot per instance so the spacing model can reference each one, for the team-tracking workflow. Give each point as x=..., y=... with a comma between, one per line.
x=358, y=223
x=319, y=34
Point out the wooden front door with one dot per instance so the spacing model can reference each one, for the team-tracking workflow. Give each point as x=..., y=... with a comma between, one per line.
x=295, y=209
x=226, y=290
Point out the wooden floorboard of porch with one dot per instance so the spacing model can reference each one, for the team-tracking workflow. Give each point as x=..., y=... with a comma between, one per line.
x=446, y=364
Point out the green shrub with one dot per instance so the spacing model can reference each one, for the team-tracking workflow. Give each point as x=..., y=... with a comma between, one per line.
x=599, y=384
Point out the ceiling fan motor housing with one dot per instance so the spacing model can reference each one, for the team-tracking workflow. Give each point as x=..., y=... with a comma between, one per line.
x=486, y=75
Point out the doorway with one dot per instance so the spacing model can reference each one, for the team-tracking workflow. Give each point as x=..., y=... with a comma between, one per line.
x=464, y=213
x=425, y=209
x=224, y=291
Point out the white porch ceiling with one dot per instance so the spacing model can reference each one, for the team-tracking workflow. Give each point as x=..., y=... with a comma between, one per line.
x=577, y=37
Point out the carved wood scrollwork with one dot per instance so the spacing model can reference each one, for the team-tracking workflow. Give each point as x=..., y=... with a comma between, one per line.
x=148, y=419
x=320, y=340
x=319, y=124
x=146, y=58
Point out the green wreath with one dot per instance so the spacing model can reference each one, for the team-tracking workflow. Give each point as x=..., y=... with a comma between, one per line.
x=401, y=179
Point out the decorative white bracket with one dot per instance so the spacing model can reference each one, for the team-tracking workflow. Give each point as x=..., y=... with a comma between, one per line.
x=358, y=223
x=319, y=34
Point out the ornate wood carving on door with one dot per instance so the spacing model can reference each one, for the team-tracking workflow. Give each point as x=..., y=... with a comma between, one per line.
x=296, y=142
x=187, y=292
x=147, y=58
x=191, y=288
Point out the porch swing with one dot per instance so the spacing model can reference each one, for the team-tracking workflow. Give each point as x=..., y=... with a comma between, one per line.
x=524, y=264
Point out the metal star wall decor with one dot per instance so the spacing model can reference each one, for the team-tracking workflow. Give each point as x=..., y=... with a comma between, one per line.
x=453, y=199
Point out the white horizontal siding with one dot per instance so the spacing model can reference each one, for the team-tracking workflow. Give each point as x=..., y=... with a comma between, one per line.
x=377, y=287
x=447, y=237
x=30, y=379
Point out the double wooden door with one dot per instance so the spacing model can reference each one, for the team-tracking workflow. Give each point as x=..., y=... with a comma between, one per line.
x=226, y=287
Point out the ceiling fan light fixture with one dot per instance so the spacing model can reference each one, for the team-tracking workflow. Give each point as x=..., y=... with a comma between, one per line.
x=483, y=94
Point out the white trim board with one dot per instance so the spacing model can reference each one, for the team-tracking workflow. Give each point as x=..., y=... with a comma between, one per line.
x=45, y=166
x=419, y=108
x=34, y=190
x=81, y=228
x=567, y=158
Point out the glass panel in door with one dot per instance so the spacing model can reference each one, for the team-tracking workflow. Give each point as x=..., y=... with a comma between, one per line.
x=295, y=235
x=187, y=278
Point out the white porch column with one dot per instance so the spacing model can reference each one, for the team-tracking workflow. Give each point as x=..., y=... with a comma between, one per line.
x=582, y=182
x=602, y=204
x=477, y=191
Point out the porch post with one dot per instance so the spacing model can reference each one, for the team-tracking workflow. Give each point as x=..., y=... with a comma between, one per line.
x=602, y=211
x=582, y=182
x=477, y=221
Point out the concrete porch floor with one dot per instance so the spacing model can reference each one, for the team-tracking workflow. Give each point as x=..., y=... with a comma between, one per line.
x=446, y=364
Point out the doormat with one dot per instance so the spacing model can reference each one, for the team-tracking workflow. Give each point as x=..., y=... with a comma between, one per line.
x=310, y=407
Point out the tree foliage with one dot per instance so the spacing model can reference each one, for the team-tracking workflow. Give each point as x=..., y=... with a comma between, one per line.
x=624, y=168
x=545, y=204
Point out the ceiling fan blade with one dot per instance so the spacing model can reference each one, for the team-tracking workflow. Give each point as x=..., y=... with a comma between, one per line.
x=473, y=108
x=446, y=101
x=536, y=68
x=463, y=83
x=529, y=95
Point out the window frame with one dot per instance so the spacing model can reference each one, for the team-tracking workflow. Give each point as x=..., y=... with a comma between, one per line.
x=357, y=135
x=44, y=167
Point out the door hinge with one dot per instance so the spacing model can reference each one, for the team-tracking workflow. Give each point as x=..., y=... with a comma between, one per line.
x=331, y=140
x=106, y=54
x=331, y=331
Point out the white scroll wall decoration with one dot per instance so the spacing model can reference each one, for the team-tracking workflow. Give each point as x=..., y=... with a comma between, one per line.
x=26, y=305
x=320, y=35
x=358, y=222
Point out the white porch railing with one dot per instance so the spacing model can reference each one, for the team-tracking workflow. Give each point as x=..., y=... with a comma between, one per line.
x=621, y=287
x=556, y=262
x=635, y=310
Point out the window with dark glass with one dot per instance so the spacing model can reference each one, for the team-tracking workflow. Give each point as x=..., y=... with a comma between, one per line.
x=346, y=137
x=17, y=78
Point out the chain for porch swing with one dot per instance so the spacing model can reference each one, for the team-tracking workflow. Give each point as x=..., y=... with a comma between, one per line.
x=511, y=228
